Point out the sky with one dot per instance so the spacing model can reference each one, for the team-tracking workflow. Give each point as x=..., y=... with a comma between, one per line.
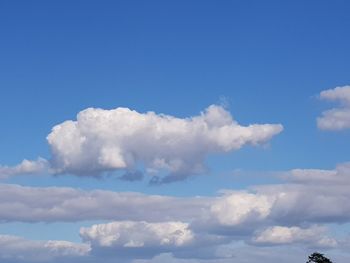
x=174, y=131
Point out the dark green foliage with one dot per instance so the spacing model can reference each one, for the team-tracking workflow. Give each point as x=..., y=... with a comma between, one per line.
x=318, y=258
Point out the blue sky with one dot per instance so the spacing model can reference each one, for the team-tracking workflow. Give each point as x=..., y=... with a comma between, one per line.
x=263, y=62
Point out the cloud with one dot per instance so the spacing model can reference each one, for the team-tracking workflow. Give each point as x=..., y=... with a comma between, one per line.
x=340, y=175
x=293, y=213
x=191, y=227
x=121, y=139
x=314, y=236
x=141, y=239
x=166, y=257
x=243, y=253
x=236, y=208
x=308, y=196
x=25, y=167
x=313, y=196
x=14, y=249
x=53, y=204
x=337, y=118
x=131, y=234
x=18, y=249
x=341, y=94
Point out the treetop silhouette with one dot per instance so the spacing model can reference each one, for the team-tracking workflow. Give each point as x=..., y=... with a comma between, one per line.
x=318, y=258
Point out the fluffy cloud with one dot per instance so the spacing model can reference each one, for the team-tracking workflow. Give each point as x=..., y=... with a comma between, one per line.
x=341, y=94
x=122, y=139
x=131, y=234
x=25, y=167
x=314, y=236
x=18, y=249
x=337, y=118
x=309, y=196
x=141, y=239
x=236, y=208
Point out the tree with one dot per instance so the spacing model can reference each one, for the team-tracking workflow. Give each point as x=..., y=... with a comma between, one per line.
x=318, y=258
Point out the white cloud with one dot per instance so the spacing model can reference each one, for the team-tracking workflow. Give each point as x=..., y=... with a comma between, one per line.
x=131, y=234
x=334, y=119
x=337, y=118
x=311, y=175
x=277, y=213
x=18, y=249
x=165, y=257
x=296, y=203
x=14, y=249
x=243, y=254
x=25, y=167
x=309, y=196
x=66, y=248
x=107, y=140
x=236, y=208
x=141, y=239
x=314, y=236
x=340, y=175
x=122, y=139
x=318, y=196
x=189, y=226
x=341, y=94
x=52, y=204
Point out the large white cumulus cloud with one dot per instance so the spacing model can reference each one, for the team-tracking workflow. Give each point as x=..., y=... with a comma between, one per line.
x=337, y=118
x=107, y=140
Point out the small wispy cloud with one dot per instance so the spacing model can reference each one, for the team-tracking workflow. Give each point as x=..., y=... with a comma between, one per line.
x=337, y=118
x=25, y=167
